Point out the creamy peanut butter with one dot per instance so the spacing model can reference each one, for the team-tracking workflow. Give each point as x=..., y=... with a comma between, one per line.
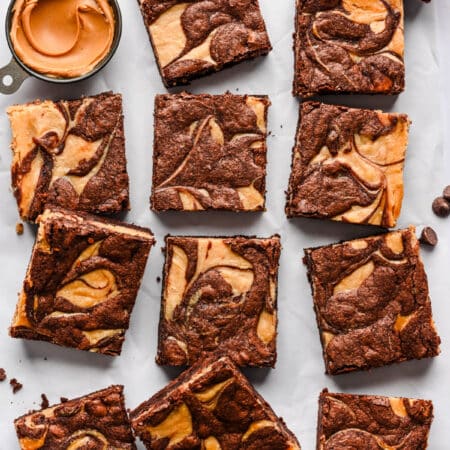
x=62, y=38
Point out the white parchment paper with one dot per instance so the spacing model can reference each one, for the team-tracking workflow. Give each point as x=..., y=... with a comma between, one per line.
x=293, y=387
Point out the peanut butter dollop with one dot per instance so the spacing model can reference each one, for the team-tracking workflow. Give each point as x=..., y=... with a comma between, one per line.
x=62, y=38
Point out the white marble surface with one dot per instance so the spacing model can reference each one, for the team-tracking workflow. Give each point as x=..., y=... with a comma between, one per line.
x=293, y=387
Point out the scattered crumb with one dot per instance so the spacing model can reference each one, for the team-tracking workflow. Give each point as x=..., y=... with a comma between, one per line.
x=2, y=374
x=44, y=403
x=158, y=279
x=19, y=228
x=16, y=386
x=64, y=399
x=281, y=126
x=45, y=358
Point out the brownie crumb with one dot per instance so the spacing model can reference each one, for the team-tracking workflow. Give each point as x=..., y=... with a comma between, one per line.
x=446, y=193
x=441, y=207
x=44, y=403
x=2, y=374
x=19, y=228
x=158, y=279
x=428, y=237
x=64, y=399
x=16, y=386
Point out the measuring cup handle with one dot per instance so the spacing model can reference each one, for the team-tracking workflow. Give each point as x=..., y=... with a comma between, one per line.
x=17, y=74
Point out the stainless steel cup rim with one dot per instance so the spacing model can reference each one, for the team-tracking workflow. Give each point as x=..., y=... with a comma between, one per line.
x=117, y=35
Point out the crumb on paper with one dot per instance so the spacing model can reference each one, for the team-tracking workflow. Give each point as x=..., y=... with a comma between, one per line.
x=19, y=228
x=44, y=403
x=2, y=374
x=16, y=386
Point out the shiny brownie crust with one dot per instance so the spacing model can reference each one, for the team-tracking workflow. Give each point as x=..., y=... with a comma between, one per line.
x=203, y=36
x=210, y=405
x=209, y=152
x=371, y=302
x=347, y=165
x=82, y=281
x=371, y=422
x=69, y=154
x=219, y=294
x=342, y=46
x=97, y=420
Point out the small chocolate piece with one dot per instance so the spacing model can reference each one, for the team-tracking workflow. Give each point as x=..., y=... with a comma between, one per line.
x=209, y=152
x=197, y=37
x=347, y=165
x=428, y=236
x=69, y=154
x=372, y=422
x=446, y=193
x=2, y=374
x=441, y=207
x=344, y=46
x=82, y=281
x=219, y=294
x=44, y=403
x=210, y=406
x=95, y=421
x=64, y=399
x=16, y=386
x=371, y=301
x=19, y=228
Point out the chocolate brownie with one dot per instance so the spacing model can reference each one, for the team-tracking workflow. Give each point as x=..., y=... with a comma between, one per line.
x=69, y=154
x=347, y=165
x=219, y=294
x=82, y=281
x=371, y=301
x=349, y=46
x=209, y=152
x=210, y=406
x=196, y=37
x=372, y=422
x=97, y=420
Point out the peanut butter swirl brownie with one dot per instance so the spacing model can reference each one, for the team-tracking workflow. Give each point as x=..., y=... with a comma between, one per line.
x=196, y=37
x=82, y=282
x=348, y=165
x=372, y=422
x=349, y=46
x=210, y=406
x=70, y=154
x=219, y=295
x=371, y=301
x=95, y=421
x=209, y=152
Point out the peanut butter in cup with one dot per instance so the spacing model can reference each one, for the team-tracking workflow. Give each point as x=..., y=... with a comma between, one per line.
x=62, y=38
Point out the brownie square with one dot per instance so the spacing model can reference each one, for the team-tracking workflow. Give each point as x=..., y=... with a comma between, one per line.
x=210, y=406
x=82, y=281
x=347, y=165
x=371, y=302
x=197, y=37
x=97, y=420
x=348, y=46
x=209, y=152
x=219, y=294
x=372, y=422
x=69, y=154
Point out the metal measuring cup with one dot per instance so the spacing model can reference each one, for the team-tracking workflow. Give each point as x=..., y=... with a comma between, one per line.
x=18, y=71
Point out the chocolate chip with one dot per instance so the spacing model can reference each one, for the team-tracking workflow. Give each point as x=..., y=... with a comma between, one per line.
x=44, y=403
x=441, y=207
x=16, y=386
x=428, y=236
x=446, y=193
x=64, y=399
x=2, y=374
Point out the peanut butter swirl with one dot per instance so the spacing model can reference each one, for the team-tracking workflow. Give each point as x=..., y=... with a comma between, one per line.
x=62, y=38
